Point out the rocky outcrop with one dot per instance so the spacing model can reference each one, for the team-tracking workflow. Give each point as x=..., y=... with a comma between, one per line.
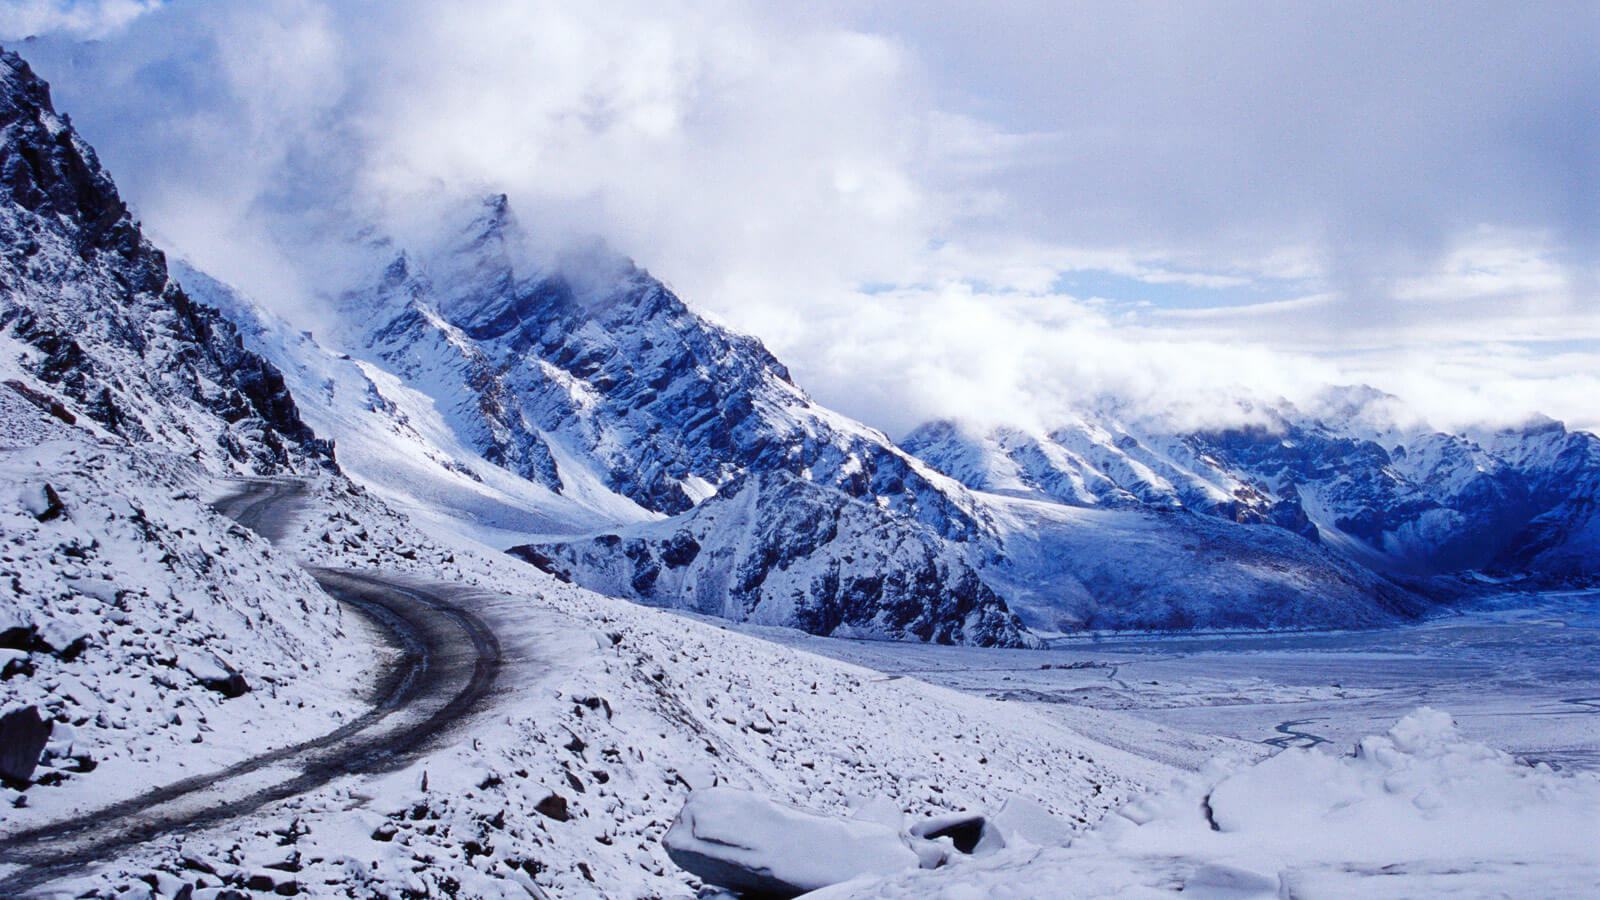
x=105, y=325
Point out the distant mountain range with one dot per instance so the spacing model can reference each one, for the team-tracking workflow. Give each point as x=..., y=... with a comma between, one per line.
x=575, y=408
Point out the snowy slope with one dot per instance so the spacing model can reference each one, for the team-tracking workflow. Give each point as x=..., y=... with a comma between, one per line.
x=127, y=607
x=1066, y=569
x=396, y=440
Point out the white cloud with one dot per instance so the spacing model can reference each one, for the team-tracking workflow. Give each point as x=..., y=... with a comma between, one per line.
x=891, y=195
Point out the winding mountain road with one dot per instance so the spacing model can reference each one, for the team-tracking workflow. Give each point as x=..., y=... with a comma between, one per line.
x=447, y=664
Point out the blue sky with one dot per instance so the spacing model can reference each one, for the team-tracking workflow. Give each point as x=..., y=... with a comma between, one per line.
x=926, y=207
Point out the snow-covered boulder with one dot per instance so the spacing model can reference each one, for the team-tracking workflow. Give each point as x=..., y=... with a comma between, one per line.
x=1022, y=820
x=744, y=842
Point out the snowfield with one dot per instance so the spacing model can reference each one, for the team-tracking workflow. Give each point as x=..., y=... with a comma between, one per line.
x=608, y=714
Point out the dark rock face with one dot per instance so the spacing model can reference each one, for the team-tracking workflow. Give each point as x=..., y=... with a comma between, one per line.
x=111, y=332
x=22, y=738
x=777, y=549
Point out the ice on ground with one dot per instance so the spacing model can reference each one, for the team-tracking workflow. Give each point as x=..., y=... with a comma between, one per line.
x=1419, y=812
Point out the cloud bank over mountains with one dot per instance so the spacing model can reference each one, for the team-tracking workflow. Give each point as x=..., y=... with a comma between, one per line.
x=935, y=211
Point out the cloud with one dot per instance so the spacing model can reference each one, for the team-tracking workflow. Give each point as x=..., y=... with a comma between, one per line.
x=78, y=18
x=900, y=198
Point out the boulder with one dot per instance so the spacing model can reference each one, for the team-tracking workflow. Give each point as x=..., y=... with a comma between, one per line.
x=212, y=673
x=23, y=735
x=42, y=501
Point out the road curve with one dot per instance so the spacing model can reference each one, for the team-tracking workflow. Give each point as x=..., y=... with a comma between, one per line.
x=448, y=663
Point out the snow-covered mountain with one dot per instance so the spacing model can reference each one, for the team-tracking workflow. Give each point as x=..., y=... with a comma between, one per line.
x=574, y=399
x=569, y=404
x=1381, y=489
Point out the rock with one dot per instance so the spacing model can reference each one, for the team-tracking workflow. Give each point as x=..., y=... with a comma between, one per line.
x=65, y=637
x=553, y=806
x=970, y=833
x=44, y=401
x=42, y=501
x=23, y=735
x=748, y=844
x=13, y=663
x=212, y=674
x=232, y=686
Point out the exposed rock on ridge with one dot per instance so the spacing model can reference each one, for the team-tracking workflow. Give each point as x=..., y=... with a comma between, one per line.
x=102, y=322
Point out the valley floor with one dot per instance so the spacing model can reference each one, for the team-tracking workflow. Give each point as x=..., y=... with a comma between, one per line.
x=1521, y=673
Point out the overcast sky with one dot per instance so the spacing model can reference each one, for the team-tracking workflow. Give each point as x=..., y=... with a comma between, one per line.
x=991, y=210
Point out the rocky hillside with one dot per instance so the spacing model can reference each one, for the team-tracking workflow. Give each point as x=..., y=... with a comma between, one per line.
x=135, y=624
x=88, y=310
